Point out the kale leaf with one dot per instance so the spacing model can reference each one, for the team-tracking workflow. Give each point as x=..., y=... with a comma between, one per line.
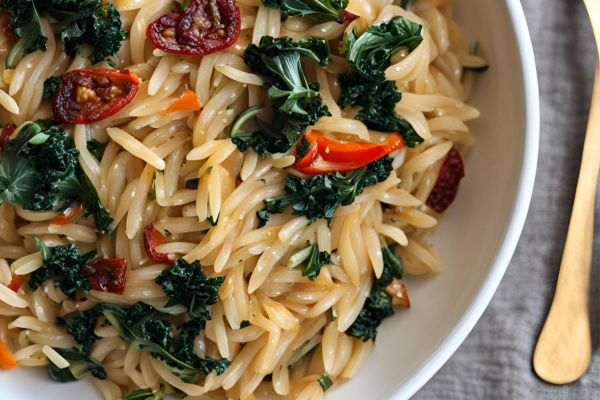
x=296, y=103
x=40, y=171
x=320, y=195
x=379, y=304
x=316, y=260
x=81, y=362
x=80, y=324
x=371, y=53
x=378, y=102
x=81, y=22
x=63, y=264
x=186, y=284
x=51, y=86
x=317, y=49
x=317, y=10
x=97, y=148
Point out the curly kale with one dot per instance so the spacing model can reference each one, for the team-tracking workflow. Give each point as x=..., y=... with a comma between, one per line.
x=186, y=284
x=81, y=22
x=51, y=86
x=296, y=103
x=379, y=304
x=320, y=195
x=97, y=148
x=378, y=102
x=63, y=264
x=40, y=171
x=317, y=10
x=371, y=53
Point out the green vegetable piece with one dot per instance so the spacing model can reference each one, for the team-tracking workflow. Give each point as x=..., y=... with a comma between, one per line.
x=245, y=324
x=296, y=103
x=325, y=381
x=371, y=52
x=320, y=195
x=317, y=10
x=243, y=118
x=379, y=304
x=81, y=363
x=97, y=148
x=140, y=394
x=186, y=284
x=51, y=86
x=40, y=171
x=62, y=263
x=192, y=183
x=316, y=260
x=81, y=22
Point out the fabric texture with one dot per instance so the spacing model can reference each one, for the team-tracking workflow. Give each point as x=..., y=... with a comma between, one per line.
x=494, y=362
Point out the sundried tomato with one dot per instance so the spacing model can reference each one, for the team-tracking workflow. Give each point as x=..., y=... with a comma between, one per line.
x=205, y=27
x=106, y=275
x=446, y=187
x=91, y=95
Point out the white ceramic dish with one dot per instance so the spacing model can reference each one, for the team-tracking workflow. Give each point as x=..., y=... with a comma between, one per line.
x=476, y=240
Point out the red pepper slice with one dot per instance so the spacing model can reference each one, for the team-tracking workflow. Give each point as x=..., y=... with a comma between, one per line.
x=106, y=275
x=16, y=282
x=348, y=16
x=91, y=95
x=205, y=27
x=66, y=216
x=153, y=238
x=6, y=132
x=6, y=29
x=446, y=187
x=328, y=155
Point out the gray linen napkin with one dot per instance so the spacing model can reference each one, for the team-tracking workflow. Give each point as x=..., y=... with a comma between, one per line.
x=495, y=360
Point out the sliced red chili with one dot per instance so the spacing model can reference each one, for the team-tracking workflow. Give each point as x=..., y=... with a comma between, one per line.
x=16, y=282
x=66, y=216
x=347, y=16
x=328, y=155
x=10, y=35
x=446, y=187
x=153, y=238
x=106, y=274
x=205, y=27
x=91, y=95
x=6, y=132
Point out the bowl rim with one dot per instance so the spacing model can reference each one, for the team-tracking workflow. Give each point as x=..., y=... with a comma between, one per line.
x=446, y=348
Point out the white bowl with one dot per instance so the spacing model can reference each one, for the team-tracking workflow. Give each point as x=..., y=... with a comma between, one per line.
x=476, y=240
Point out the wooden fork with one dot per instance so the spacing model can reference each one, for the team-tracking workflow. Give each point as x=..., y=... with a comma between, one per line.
x=564, y=349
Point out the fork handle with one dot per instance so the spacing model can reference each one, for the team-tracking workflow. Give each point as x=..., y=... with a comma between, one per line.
x=564, y=349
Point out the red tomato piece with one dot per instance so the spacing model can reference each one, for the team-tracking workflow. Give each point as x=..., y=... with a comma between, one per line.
x=328, y=155
x=6, y=29
x=91, y=95
x=205, y=27
x=106, y=275
x=6, y=132
x=153, y=238
x=446, y=187
x=347, y=16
